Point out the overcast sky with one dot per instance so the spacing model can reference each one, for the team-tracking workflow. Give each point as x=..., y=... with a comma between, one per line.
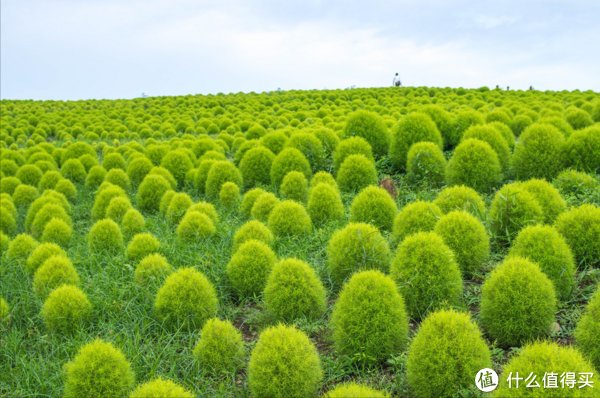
x=74, y=49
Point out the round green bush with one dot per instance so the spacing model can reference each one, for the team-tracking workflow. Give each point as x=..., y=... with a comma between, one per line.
x=178, y=205
x=580, y=227
x=294, y=291
x=195, y=225
x=54, y=272
x=474, y=164
x=65, y=309
x=4, y=310
x=575, y=183
x=105, y=237
x=206, y=208
x=220, y=172
x=142, y=245
x=150, y=192
x=445, y=355
x=310, y=146
x=463, y=119
x=356, y=247
x=153, y=267
x=164, y=173
x=220, y=349
x=512, y=209
x=294, y=186
x=132, y=222
x=506, y=133
x=284, y=363
x=98, y=370
x=494, y=138
x=353, y=390
x=323, y=177
x=29, y=174
x=426, y=164
x=187, y=298
x=248, y=201
x=289, y=159
x=113, y=161
x=325, y=204
x=275, y=141
x=538, y=152
x=578, y=118
x=202, y=174
x=44, y=215
x=137, y=169
x=74, y=171
x=249, y=268
x=49, y=180
x=41, y=253
x=67, y=188
x=229, y=196
x=252, y=230
x=427, y=274
x=548, y=198
x=24, y=195
x=165, y=201
x=356, y=173
x=351, y=146
x=411, y=129
x=103, y=198
x=518, y=303
x=21, y=247
x=118, y=177
x=9, y=184
x=178, y=163
x=418, y=216
x=263, y=206
x=466, y=236
x=374, y=205
x=95, y=177
x=159, y=388
x=57, y=231
x=372, y=128
x=587, y=332
x=289, y=218
x=369, y=320
x=582, y=150
x=540, y=358
x=117, y=208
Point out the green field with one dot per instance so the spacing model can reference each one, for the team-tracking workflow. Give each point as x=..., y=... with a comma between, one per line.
x=180, y=169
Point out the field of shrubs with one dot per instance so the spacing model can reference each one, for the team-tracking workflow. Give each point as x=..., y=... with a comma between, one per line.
x=345, y=243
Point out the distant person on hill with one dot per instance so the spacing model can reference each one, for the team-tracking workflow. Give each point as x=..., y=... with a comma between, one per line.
x=396, y=82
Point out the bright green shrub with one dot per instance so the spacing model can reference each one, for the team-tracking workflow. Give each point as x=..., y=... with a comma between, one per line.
x=248, y=201
x=98, y=370
x=582, y=150
x=351, y=146
x=289, y=159
x=164, y=173
x=323, y=177
x=187, y=298
x=580, y=227
x=132, y=222
x=153, y=267
x=118, y=177
x=289, y=218
x=220, y=349
x=495, y=140
x=418, y=216
x=274, y=141
x=229, y=196
x=195, y=225
x=310, y=146
x=220, y=172
x=40, y=254
x=548, y=198
x=518, y=303
x=425, y=164
x=178, y=205
x=445, y=355
x=29, y=174
x=578, y=118
x=178, y=163
x=24, y=195
x=249, y=268
x=95, y=177
x=369, y=319
x=353, y=390
x=117, y=208
x=45, y=214
x=463, y=119
x=512, y=209
x=160, y=388
x=356, y=173
x=206, y=208
x=142, y=245
x=74, y=171
x=113, y=161
x=576, y=183
x=150, y=192
x=255, y=166
x=9, y=184
x=587, y=332
x=294, y=291
x=202, y=174
x=372, y=128
x=263, y=205
x=538, y=153
x=294, y=186
x=325, y=204
x=356, y=247
x=474, y=164
x=54, y=272
x=460, y=197
x=21, y=247
x=411, y=129
x=466, y=236
x=506, y=133
x=284, y=363
x=88, y=161
x=65, y=309
x=105, y=237
x=57, y=231
x=374, y=205
x=252, y=230
x=49, y=180
x=67, y=188
x=137, y=169
x=103, y=198
x=427, y=274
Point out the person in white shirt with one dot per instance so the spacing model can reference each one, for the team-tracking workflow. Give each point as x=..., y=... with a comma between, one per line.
x=396, y=82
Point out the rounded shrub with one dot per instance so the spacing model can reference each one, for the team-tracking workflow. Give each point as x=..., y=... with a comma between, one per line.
x=21, y=247
x=255, y=166
x=294, y=186
x=284, y=363
x=117, y=207
x=575, y=183
x=95, y=177
x=105, y=237
x=289, y=218
x=512, y=209
x=98, y=370
x=252, y=230
x=67, y=188
x=445, y=355
x=113, y=161
x=578, y=118
x=310, y=146
x=538, y=152
x=248, y=201
x=372, y=128
x=24, y=195
x=9, y=184
x=178, y=163
x=150, y=192
x=355, y=390
x=29, y=174
x=249, y=268
x=229, y=196
x=427, y=274
x=418, y=216
x=274, y=141
x=103, y=198
x=74, y=171
x=206, y=208
x=474, y=164
x=40, y=254
x=263, y=206
x=426, y=164
x=369, y=320
x=351, y=146
x=374, y=205
x=178, y=205
x=518, y=303
x=142, y=245
x=356, y=173
x=132, y=222
x=411, y=129
x=187, y=298
x=587, y=332
x=57, y=231
x=165, y=201
x=153, y=267
x=45, y=214
x=495, y=140
x=325, y=204
x=294, y=291
x=195, y=225
x=137, y=169
x=220, y=349
x=118, y=177
x=323, y=177
x=466, y=236
x=548, y=198
x=65, y=309
x=159, y=388
x=580, y=227
x=49, y=180
x=289, y=159
x=220, y=172
x=582, y=150
x=540, y=358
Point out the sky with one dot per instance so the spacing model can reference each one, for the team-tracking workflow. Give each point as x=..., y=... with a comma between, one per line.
x=81, y=49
